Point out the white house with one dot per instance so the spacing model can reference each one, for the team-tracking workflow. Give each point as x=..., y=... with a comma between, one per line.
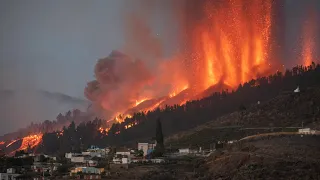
x=126, y=160
x=306, y=131
x=184, y=151
x=96, y=152
x=10, y=175
x=145, y=147
x=77, y=159
x=157, y=160
x=123, y=152
x=70, y=155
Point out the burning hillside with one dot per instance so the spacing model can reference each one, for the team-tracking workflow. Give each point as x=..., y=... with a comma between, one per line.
x=222, y=44
x=222, y=50
x=25, y=143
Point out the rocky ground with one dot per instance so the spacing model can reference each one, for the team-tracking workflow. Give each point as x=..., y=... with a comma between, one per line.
x=282, y=157
x=271, y=157
x=286, y=110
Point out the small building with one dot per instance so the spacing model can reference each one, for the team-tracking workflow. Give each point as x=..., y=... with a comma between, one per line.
x=10, y=175
x=306, y=131
x=86, y=170
x=184, y=151
x=146, y=147
x=158, y=160
x=45, y=167
x=92, y=177
x=94, y=151
x=123, y=152
x=70, y=155
x=120, y=159
x=11, y=170
x=125, y=160
x=78, y=159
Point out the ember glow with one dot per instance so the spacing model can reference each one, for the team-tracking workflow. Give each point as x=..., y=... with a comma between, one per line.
x=308, y=41
x=30, y=141
x=12, y=142
x=231, y=48
x=222, y=50
x=140, y=101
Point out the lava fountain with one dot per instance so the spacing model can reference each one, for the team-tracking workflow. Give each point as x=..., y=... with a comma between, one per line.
x=309, y=39
x=229, y=41
x=219, y=50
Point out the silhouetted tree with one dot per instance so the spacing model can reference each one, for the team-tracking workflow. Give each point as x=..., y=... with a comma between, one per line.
x=159, y=149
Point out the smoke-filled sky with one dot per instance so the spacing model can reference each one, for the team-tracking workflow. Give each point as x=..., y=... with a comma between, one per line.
x=54, y=45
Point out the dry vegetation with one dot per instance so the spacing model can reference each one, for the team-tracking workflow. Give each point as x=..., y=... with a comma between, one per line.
x=286, y=110
x=286, y=157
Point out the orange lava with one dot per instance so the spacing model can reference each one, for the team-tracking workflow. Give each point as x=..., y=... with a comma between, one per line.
x=178, y=90
x=12, y=142
x=232, y=42
x=223, y=48
x=30, y=141
x=308, y=42
x=2, y=142
x=140, y=101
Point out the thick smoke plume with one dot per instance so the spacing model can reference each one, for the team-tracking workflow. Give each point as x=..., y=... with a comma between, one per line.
x=119, y=82
x=187, y=50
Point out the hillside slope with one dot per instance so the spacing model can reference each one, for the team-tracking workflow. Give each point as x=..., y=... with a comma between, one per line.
x=281, y=157
x=286, y=110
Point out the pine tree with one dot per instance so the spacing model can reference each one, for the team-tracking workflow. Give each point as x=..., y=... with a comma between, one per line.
x=159, y=149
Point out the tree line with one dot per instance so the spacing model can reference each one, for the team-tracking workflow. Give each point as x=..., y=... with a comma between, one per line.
x=180, y=117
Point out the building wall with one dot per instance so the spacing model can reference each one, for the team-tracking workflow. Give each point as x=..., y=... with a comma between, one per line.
x=187, y=150
x=123, y=153
x=7, y=176
x=143, y=147
x=79, y=159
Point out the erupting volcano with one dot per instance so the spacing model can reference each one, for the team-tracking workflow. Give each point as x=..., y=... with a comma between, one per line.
x=221, y=44
x=221, y=51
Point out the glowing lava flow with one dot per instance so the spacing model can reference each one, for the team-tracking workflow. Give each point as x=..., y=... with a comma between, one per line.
x=12, y=142
x=30, y=141
x=140, y=101
x=178, y=90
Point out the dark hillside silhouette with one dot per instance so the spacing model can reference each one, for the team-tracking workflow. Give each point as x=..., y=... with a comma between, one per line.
x=177, y=118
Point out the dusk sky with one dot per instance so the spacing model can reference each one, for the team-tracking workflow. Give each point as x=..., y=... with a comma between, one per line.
x=54, y=45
